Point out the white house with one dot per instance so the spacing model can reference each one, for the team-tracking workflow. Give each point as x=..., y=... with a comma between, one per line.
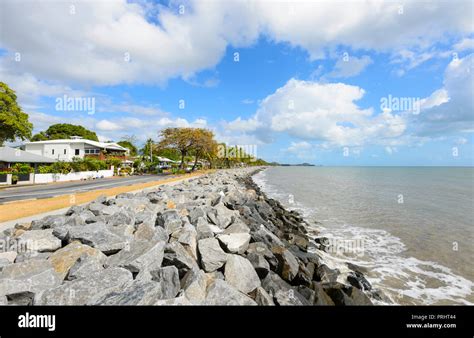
x=67, y=149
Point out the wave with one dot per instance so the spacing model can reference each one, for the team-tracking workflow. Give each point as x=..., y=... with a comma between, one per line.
x=402, y=279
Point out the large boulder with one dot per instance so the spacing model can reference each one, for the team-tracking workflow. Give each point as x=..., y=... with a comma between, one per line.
x=86, y=265
x=266, y=236
x=177, y=255
x=288, y=265
x=170, y=220
x=212, y=255
x=221, y=293
x=168, y=278
x=85, y=291
x=194, y=284
x=30, y=276
x=324, y=274
x=261, y=248
x=240, y=273
x=262, y=297
x=137, y=293
x=139, y=255
x=40, y=240
x=63, y=259
x=235, y=242
x=97, y=235
x=259, y=263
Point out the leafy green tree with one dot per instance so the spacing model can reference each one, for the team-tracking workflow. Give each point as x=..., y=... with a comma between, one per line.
x=65, y=131
x=130, y=146
x=180, y=139
x=14, y=122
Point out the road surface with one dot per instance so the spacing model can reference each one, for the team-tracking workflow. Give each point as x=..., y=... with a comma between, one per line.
x=56, y=189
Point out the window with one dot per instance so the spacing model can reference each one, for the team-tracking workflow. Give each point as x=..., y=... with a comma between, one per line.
x=64, y=151
x=76, y=152
x=91, y=151
x=52, y=151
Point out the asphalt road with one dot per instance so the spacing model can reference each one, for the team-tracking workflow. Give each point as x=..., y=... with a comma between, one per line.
x=56, y=189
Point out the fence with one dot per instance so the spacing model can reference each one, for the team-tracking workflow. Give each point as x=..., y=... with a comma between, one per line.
x=82, y=175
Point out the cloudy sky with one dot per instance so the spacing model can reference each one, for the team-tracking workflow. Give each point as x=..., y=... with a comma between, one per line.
x=328, y=82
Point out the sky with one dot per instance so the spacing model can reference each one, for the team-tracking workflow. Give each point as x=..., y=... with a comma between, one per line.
x=325, y=82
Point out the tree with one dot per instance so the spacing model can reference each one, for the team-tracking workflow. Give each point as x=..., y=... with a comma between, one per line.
x=181, y=139
x=65, y=131
x=14, y=122
x=204, y=145
x=130, y=146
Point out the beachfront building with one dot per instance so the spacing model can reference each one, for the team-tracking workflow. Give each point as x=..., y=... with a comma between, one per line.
x=67, y=149
x=10, y=156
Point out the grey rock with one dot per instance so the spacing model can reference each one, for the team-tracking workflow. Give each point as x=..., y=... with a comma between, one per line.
x=86, y=265
x=262, y=297
x=266, y=236
x=138, y=293
x=48, y=222
x=176, y=254
x=194, y=284
x=22, y=298
x=195, y=214
x=96, y=208
x=40, y=240
x=212, y=255
x=237, y=227
x=221, y=293
x=168, y=278
x=240, y=273
x=324, y=274
x=87, y=290
x=174, y=301
x=8, y=256
x=97, y=235
x=139, y=255
x=170, y=220
x=206, y=230
x=121, y=217
x=235, y=242
x=290, y=297
x=33, y=276
x=259, y=263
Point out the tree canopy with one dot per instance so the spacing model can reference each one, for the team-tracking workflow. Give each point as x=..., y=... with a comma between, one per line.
x=181, y=139
x=65, y=131
x=130, y=146
x=14, y=122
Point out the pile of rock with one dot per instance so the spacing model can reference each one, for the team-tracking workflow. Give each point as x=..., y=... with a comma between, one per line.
x=212, y=240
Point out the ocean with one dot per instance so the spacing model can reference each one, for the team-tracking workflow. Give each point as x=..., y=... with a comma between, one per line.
x=411, y=228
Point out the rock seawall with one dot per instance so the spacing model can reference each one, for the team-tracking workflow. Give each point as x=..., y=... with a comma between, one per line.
x=212, y=240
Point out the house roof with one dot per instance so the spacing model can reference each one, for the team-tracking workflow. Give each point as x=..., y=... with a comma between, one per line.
x=13, y=155
x=164, y=159
x=104, y=145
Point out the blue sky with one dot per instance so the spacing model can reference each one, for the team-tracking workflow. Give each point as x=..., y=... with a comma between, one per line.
x=307, y=85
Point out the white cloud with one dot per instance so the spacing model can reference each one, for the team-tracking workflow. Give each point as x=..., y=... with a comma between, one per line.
x=449, y=109
x=92, y=45
x=323, y=112
x=106, y=125
x=464, y=44
x=349, y=67
x=302, y=150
